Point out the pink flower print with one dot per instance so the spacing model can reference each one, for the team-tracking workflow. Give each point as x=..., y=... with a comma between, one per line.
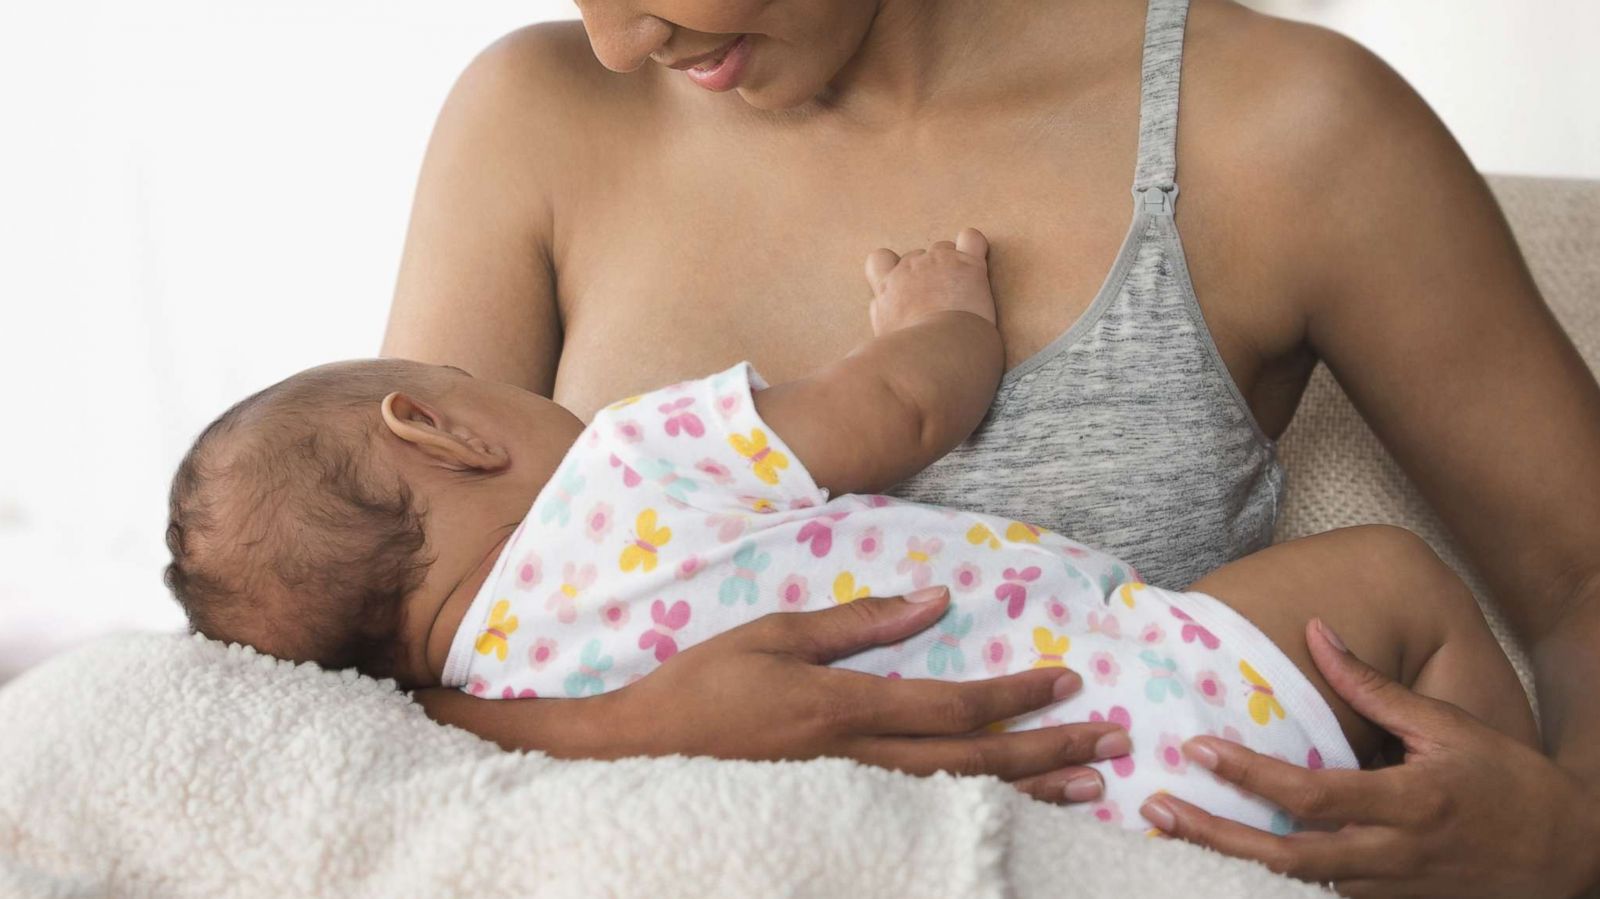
x=667, y=623
x=529, y=571
x=869, y=544
x=893, y=675
x=720, y=474
x=1104, y=667
x=614, y=614
x=1014, y=592
x=1152, y=634
x=1314, y=759
x=1192, y=631
x=793, y=593
x=1057, y=610
x=919, y=559
x=728, y=527
x=593, y=438
x=1107, y=811
x=997, y=655
x=597, y=524
x=519, y=694
x=1106, y=624
x=680, y=419
x=966, y=577
x=690, y=567
x=1122, y=765
x=728, y=404
x=1169, y=751
x=875, y=501
x=804, y=502
x=819, y=534
x=1210, y=687
x=542, y=652
x=574, y=579
x=628, y=431
x=477, y=686
x=630, y=478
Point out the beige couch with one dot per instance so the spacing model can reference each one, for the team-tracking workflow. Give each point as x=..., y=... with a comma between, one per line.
x=1338, y=472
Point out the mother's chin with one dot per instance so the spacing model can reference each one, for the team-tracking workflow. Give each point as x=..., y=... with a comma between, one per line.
x=778, y=54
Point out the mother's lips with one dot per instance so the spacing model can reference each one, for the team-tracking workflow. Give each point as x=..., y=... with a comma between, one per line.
x=690, y=62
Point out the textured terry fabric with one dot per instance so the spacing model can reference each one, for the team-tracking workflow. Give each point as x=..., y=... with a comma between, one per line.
x=1127, y=432
x=161, y=766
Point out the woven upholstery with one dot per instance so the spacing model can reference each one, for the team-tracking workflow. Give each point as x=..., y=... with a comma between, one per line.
x=1338, y=472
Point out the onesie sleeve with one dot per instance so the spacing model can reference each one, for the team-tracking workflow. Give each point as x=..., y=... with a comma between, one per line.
x=702, y=444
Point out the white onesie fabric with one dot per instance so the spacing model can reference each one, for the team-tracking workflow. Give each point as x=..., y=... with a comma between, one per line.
x=680, y=514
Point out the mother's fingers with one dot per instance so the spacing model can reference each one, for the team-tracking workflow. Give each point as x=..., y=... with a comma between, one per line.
x=821, y=636
x=1414, y=718
x=1064, y=786
x=914, y=707
x=1008, y=756
x=1353, y=852
x=1327, y=794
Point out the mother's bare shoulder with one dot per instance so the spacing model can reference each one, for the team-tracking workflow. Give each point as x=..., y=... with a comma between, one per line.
x=542, y=90
x=1301, y=137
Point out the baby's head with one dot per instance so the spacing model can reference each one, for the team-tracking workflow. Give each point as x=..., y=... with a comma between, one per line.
x=329, y=517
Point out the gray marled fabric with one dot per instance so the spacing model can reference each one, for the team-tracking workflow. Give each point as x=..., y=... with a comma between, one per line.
x=1126, y=432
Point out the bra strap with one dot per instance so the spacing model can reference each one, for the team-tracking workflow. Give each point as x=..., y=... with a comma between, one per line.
x=1155, y=187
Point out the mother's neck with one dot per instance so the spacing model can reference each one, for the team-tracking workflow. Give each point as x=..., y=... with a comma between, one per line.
x=920, y=51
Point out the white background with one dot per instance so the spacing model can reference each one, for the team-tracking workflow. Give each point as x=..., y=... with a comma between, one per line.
x=198, y=198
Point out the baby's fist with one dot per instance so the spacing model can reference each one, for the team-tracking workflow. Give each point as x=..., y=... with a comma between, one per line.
x=947, y=277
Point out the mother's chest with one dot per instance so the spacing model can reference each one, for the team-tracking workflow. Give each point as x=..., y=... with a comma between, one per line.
x=669, y=277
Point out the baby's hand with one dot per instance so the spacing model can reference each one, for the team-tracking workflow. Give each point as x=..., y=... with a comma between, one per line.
x=946, y=277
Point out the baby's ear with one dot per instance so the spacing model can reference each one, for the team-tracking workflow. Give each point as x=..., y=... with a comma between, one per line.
x=448, y=444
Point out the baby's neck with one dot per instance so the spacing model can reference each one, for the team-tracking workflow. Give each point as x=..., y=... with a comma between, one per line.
x=455, y=605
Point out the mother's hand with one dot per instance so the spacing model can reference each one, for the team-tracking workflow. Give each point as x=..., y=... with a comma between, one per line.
x=763, y=691
x=1469, y=812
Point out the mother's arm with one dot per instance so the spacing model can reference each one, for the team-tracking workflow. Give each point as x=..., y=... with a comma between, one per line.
x=477, y=279
x=477, y=290
x=1421, y=305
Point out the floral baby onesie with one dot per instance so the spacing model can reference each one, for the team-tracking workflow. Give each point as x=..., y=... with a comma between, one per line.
x=680, y=514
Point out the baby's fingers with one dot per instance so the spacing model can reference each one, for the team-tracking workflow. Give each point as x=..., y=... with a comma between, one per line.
x=972, y=242
x=880, y=263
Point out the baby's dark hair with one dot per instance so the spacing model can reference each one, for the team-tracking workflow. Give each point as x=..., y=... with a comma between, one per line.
x=287, y=531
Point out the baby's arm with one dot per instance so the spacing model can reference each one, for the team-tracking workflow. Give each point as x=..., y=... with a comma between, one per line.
x=919, y=387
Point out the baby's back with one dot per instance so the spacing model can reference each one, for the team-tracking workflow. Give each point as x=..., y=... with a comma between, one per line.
x=680, y=514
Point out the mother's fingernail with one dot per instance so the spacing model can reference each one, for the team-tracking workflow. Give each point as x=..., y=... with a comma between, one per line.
x=1084, y=787
x=1201, y=754
x=1159, y=815
x=1331, y=637
x=1113, y=745
x=1066, y=685
x=926, y=594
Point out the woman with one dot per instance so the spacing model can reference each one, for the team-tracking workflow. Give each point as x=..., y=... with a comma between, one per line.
x=713, y=203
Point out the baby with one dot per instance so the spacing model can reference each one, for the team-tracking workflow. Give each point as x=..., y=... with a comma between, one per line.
x=413, y=521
